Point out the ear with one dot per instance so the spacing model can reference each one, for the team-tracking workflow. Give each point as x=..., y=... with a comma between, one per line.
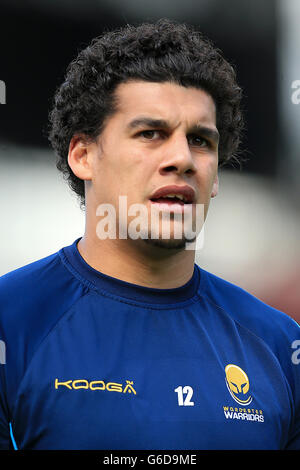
x=215, y=187
x=80, y=157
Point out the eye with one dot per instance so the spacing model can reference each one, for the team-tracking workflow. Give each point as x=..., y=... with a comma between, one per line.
x=149, y=134
x=198, y=141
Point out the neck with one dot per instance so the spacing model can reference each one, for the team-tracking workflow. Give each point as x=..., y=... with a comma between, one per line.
x=137, y=262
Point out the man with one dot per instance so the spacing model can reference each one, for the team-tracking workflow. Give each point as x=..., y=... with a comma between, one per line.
x=120, y=341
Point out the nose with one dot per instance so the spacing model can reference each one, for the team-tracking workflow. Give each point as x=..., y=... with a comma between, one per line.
x=177, y=157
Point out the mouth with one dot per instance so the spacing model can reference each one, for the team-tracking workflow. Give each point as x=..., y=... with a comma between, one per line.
x=175, y=198
x=171, y=200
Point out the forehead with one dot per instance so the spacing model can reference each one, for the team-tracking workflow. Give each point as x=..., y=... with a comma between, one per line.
x=166, y=100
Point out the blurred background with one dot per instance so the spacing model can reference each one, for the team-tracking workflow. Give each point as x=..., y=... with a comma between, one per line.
x=251, y=236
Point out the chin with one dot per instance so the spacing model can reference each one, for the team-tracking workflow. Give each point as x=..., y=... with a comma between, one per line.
x=167, y=244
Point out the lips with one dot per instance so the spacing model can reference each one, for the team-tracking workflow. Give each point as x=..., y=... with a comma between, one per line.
x=174, y=194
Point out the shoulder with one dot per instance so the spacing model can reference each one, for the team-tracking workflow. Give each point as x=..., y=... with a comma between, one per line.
x=247, y=309
x=32, y=282
x=23, y=290
x=272, y=325
x=28, y=276
x=279, y=332
x=32, y=300
x=36, y=287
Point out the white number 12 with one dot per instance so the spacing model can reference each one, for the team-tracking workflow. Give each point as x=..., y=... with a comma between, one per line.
x=188, y=391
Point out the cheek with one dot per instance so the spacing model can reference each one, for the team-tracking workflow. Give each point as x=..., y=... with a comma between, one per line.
x=206, y=179
x=122, y=174
x=135, y=170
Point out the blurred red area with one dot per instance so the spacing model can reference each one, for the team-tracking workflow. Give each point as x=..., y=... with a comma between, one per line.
x=285, y=295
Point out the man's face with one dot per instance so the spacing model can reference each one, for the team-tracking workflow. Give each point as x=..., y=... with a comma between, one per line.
x=161, y=135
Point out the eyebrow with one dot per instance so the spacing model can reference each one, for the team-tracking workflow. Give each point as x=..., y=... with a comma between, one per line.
x=212, y=134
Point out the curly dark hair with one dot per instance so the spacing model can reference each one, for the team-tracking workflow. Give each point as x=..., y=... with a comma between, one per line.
x=157, y=52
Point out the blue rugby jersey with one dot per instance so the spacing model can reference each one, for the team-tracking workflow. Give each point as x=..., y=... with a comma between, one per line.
x=93, y=362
